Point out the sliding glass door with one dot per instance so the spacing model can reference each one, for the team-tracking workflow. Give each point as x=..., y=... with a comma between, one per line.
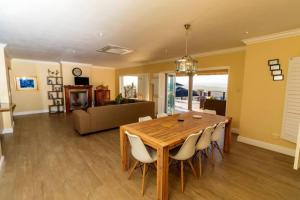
x=170, y=93
x=182, y=93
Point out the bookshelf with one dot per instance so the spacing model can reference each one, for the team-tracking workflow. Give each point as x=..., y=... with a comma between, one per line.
x=55, y=94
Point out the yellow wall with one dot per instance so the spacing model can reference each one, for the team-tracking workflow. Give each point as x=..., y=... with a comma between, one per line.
x=234, y=59
x=263, y=99
x=104, y=76
x=31, y=101
x=97, y=74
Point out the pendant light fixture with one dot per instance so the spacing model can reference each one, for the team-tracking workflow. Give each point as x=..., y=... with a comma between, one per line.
x=186, y=64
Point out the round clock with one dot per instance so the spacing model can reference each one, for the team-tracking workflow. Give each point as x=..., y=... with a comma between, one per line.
x=76, y=71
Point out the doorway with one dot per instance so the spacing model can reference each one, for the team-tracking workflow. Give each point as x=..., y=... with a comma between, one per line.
x=209, y=91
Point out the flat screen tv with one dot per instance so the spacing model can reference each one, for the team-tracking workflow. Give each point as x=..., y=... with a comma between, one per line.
x=82, y=81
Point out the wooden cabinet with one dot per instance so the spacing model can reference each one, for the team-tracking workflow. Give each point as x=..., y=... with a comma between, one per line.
x=101, y=96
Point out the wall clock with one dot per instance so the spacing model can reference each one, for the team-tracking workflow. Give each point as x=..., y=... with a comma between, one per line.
x=76, y=71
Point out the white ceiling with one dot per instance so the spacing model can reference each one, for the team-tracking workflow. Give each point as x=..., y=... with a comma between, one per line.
x=69, y=30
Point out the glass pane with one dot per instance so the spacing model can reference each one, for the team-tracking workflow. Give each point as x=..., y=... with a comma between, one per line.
x=182, y=93
x=208, y=87
x=130, y=84
x=170, y=93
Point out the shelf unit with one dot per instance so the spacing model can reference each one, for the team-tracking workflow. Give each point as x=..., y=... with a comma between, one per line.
x=55, y=94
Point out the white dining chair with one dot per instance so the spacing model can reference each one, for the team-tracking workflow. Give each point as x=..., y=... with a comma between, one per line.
x=185, y=153
x=160, y=115
x=143, y=119
x=215, y=137
x=203, y=144
x=213, y=112
x=142, y=155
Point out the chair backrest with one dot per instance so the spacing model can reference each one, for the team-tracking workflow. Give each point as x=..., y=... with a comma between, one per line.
x=138, y=149
x=143, y=119
x=187, y=150
x=210, y=111
x=159, y=115
x=205, y=138
x=219, y=130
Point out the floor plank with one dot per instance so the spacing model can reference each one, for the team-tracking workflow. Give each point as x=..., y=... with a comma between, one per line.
x=46, y=159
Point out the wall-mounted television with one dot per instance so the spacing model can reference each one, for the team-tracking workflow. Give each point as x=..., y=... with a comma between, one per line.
x=82, y=81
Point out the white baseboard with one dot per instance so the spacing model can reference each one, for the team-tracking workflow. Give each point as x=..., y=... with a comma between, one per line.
x=30, y=112
x=7, y=130
x=235, y=130
x=268, y=146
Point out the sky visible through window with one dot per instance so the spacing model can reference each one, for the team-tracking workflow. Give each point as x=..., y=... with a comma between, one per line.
x=206, y=82
x=128, y=80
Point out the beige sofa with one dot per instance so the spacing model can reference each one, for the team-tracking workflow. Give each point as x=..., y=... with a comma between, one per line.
x=110, y=116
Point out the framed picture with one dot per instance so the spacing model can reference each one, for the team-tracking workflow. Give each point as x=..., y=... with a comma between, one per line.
x=275, y=67
x=52, y=95
x=59, y=80
x=273, y=62
x=276, y=72
x=58, y=102
x=26, y=83
x=53, y=109
x=278, y=78
x=51, y=80
x=57, y=88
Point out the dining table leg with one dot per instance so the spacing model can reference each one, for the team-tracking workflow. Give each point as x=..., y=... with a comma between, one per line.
x=124, y=149
x=162, y=173
x=227, y=137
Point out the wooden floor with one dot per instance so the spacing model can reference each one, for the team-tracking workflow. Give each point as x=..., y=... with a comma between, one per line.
x=46, y=159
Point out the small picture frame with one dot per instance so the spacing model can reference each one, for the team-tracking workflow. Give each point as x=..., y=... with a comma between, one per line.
x=53, y=109
x=278, y=77
x=276, y=72
x=275, y=67
x=59, y=80
x=51, y=81
x=273, y=62
x=26, y=83
x=58, y=102
x=58, y=88
x=52, y=95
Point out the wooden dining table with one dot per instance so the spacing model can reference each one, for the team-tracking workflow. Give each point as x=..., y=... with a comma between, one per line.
x=164, y=134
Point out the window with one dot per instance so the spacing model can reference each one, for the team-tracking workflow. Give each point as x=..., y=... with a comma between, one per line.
x=208, y=87
x=129, y=86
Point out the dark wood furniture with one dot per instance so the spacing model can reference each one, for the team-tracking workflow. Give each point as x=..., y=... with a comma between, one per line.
x=218, y=105
x=80, y=89
x=101, y=96
x=164, y=134
x=56, y=94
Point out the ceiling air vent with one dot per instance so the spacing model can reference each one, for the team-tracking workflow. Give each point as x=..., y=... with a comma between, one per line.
x=114, y=49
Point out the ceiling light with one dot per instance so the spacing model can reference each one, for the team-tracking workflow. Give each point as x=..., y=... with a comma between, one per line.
x=186, y=64
x=114, y=49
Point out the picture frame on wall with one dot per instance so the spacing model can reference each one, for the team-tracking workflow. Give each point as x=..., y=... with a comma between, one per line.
x=278, y=77
x=273, y=62
x=276, y=72
x=275, y=67
x=26, y=83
